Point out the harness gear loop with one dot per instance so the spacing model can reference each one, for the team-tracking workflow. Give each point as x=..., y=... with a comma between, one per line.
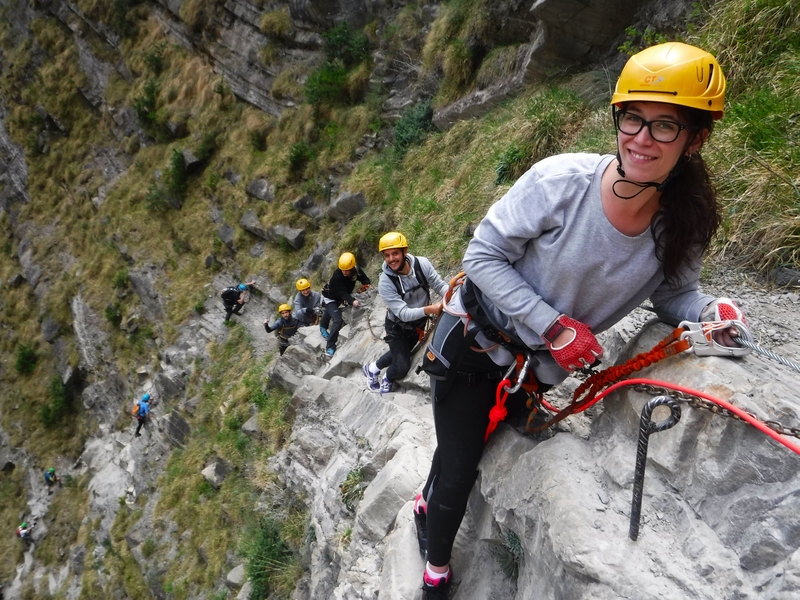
x=456, y=282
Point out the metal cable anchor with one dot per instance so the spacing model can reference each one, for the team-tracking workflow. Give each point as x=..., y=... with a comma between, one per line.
x=646, y=427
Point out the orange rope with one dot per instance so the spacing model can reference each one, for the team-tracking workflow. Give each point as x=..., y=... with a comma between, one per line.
x=586, y=394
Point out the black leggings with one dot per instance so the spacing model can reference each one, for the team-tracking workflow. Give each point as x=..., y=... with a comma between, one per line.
x=398, y=358
x=333, y=321
x=460, y=418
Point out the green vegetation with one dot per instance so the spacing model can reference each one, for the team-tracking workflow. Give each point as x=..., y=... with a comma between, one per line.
x=271, y=565
x=413, y=126
x=339, y=80
x=352, y=488
x=509, y=553
x=58, y=403
x=433, y=185
x=26, y=358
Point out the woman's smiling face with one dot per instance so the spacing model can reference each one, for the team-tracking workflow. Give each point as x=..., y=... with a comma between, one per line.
x=645, y=159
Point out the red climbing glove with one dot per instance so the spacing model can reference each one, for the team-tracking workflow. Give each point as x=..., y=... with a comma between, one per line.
x=582, y=349
x=723, y=309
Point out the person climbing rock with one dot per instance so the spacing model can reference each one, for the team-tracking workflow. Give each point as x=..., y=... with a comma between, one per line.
x=141, y=411
x=235, y=297
x=50, y=478
x=339, y=291
x=24, y=532
x=307, y=303
x=576, y=244
x=285, y=327
x=404, y=284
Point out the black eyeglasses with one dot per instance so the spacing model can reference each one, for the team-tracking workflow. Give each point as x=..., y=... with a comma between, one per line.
x=660, y=130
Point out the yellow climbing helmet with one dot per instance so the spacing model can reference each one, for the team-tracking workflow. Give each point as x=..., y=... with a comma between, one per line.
x=347, y=261
x=393, y=239
x=674, y=73
x=302, y=284
x=284, y=307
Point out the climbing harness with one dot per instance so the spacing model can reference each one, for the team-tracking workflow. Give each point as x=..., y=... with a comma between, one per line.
x=518, y=376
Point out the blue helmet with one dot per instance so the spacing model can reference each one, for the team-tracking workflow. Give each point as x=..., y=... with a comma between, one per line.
x=146, y=398
x=242, y=287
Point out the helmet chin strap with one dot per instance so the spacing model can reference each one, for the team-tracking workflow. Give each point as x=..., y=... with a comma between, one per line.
x=644, y=185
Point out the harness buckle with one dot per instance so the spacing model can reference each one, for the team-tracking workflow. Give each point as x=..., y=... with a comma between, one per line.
x=700, y=336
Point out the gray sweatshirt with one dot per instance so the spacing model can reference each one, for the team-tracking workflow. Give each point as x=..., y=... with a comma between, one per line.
x=410, y=306
x=546, y=248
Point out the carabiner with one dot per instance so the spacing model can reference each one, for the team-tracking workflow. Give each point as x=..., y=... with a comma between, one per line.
x=701, y=337
x=523, y=372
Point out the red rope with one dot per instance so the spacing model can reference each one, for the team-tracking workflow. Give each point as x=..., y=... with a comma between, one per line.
x=499, y=410
x=744, y=416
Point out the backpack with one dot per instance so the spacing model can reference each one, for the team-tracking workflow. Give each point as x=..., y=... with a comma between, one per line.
x=135, y=409
x=230, y=293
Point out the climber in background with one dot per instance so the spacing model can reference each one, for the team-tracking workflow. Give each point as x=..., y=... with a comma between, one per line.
x=235, y=297
x=307, y=303
x=405, y=285
x=24, y=532
x=576, y=244
x=339, y=291
x=141, y=410
x=50, y=478
x=285, y=327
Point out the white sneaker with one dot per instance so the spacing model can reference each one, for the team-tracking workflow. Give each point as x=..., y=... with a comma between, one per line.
x=386, y=386
x=372, y=378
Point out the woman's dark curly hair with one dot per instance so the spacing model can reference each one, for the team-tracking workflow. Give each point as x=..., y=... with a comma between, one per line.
x=689, y=216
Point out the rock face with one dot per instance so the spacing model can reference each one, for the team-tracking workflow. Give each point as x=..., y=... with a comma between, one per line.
x=718, y=515
x=549, y=515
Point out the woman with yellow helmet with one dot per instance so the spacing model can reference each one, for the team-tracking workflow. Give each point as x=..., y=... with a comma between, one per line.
x=285, y=327
x=576, y=244
x=339, y=291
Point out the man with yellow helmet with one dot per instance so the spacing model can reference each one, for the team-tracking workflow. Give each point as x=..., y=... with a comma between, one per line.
x=285, y=327
x=339, y=291
x=307, y=303
x=578, y=242
x=404, y=284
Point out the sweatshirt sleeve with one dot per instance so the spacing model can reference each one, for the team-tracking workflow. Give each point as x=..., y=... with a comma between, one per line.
x=500, y=240
x=435, y=281
x=683, y=302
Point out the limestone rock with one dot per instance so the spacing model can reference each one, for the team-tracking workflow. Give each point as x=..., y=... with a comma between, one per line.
x=251, y=223
x=216, y=472
x=261, y=189
x=346, y=206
